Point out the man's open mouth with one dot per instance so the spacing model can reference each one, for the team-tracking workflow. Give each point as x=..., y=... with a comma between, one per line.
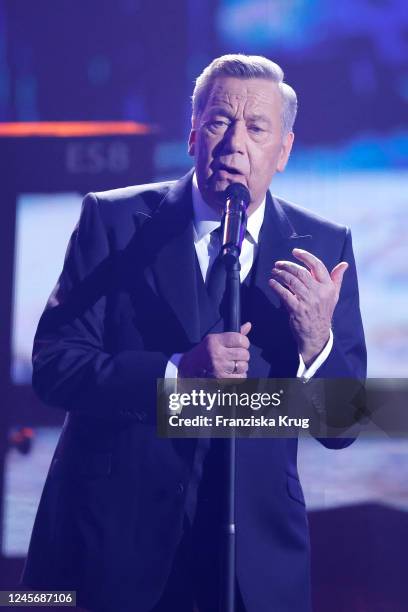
x=228, y=169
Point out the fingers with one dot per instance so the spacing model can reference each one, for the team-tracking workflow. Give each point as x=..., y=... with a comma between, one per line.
x=236, y=369
x=234, y=349
x=287, y=297
x=337, y=274
x=299, y=272
x=223, y=355
x=246, y=328
x=234, y=340
x=297, y=278
x=231, y=364
x=236, y=354
x=227, y=354
x=315, y=265
x=292, y=282
x=242, y=367
x=310, y=296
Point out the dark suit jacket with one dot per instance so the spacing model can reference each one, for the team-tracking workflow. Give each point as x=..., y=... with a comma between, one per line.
x=111, y=514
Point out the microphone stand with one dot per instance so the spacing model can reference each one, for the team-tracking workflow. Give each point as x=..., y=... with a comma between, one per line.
x=232, y=322
x=234, y=224
x=237, y=198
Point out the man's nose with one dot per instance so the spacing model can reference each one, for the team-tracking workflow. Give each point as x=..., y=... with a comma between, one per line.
x=234, y=137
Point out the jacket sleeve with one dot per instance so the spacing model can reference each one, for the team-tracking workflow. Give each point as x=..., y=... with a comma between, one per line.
x=348, y=358
x=339, y=393
x=71, y=366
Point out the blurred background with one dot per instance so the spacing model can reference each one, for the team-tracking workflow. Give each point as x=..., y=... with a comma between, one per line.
x=95, y=95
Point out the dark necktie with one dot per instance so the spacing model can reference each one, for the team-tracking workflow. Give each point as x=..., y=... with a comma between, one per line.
x=217, y=275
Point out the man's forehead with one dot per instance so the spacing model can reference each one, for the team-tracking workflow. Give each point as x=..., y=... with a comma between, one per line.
x=230, y=89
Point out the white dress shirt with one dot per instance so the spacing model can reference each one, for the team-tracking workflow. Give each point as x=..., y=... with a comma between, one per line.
x=206, y=220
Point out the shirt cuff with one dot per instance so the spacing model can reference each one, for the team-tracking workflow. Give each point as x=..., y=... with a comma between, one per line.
x=171, y=373
x=306, y=373
x=171, y=370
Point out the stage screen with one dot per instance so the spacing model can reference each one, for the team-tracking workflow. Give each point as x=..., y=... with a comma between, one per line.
x=44, y=223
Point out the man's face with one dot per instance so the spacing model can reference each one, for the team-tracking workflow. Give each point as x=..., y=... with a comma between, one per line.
x=238, y=139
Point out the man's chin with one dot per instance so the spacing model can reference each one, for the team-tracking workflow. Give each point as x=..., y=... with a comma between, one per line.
x=214, y=191
x=216, y=188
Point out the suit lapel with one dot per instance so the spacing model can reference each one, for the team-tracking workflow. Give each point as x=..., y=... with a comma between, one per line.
x=174, y=263
x=276, y=240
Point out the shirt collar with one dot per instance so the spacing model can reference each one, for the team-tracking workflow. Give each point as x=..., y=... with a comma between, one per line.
x=206, y=219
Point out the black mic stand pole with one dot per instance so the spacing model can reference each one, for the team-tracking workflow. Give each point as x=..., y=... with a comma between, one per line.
x=232, y=322
x=234, y=225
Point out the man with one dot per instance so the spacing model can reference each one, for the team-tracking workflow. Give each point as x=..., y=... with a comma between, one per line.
x=130, y=521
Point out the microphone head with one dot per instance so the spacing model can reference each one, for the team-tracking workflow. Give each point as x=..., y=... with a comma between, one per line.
x=237, y=192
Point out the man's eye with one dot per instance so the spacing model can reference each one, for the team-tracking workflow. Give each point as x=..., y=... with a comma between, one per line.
x=255, y=129
x=217, y=124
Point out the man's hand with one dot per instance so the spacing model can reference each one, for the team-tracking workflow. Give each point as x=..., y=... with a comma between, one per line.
x=224, y=355
x=310, y=296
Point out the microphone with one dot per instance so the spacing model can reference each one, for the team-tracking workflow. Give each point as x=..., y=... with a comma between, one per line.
x=237, y=198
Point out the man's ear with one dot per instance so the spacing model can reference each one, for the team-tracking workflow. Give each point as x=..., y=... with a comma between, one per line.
x=191, y=142
x=285, y=151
